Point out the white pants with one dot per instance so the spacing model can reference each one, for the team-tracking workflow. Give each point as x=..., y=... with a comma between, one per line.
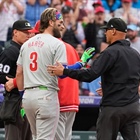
x=64, y=129
x=42, y=111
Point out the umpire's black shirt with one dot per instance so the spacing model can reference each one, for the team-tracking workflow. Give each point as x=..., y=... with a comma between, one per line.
x=8, y=59
x=119, y=68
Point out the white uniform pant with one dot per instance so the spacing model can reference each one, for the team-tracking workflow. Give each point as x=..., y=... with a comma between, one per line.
x=64, y=129
x=42, y=111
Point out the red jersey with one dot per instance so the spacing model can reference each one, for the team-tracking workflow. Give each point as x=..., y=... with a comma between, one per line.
x=69, y=88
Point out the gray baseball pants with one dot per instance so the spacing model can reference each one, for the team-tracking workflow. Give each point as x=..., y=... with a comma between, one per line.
x=42, y=111
x=64, y=128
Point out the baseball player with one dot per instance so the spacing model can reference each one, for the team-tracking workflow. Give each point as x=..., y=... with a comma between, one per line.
x=40, y=100
x=69, y=90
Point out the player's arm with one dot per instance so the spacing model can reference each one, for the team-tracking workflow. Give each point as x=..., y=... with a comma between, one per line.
x=19, y=79
x=19, y=73
x=88, y=54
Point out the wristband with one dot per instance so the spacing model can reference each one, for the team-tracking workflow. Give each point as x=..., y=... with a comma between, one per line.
x=15, y=82
x=77, y=65
x=21, y=92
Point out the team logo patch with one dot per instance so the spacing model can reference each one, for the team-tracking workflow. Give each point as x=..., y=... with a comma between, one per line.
x=27, y=24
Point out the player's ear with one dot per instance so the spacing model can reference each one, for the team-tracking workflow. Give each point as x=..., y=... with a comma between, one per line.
x=51, y=23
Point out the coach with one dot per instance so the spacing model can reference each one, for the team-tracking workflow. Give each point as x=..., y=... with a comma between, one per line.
x=119, y=68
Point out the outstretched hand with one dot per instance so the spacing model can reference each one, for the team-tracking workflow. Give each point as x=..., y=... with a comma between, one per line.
x=55, y=70
x=88, y=54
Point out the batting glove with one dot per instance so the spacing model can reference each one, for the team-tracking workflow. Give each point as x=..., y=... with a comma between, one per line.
x=88, y=54
x=22, y=112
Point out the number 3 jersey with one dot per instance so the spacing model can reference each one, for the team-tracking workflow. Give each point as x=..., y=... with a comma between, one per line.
x=36, y=54
x=8, y=60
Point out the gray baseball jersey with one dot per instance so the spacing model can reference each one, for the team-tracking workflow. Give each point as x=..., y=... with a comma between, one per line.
x=35, y=54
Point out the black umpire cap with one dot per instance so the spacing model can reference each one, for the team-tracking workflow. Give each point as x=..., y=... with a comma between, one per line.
x=21, y=25
x=116, y=23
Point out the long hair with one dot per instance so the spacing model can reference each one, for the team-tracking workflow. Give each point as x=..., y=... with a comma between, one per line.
x=47, y=15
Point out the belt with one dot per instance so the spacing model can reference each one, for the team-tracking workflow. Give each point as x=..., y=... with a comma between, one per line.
x=40, y=87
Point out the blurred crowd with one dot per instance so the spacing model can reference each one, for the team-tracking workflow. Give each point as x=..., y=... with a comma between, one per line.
x=82, y=18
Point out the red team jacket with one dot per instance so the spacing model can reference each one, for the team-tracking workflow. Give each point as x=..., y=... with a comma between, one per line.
x=69, y=88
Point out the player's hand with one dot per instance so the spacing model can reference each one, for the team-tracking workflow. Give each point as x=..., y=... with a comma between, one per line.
x=88, y=54
x=9, y=85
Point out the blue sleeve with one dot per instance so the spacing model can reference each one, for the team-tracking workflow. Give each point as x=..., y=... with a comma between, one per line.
x=77, y=65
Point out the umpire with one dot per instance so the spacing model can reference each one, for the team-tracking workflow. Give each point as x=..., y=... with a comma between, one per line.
x=15, y=128
x=119, y=68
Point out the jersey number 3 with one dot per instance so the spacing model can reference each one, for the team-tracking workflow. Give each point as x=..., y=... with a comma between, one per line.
x=33, y=64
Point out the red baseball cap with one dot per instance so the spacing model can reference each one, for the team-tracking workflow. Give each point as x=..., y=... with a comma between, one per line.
x=98, y=2
x=36, y=28
x=126, y=0
x=99, y=9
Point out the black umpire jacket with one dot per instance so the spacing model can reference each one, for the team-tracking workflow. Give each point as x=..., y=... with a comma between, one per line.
x=119, y=68
x=8, y=66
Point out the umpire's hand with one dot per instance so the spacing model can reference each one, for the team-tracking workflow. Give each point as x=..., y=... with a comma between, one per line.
x=9, y=85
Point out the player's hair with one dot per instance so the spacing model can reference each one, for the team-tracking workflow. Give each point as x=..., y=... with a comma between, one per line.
x=47, y=15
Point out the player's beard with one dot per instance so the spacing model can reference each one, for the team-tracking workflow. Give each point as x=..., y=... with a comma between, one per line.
x=56, y=32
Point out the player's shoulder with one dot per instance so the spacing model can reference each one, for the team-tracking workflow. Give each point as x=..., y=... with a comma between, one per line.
x=69, y=47
x=58, y=40
x=48, y=38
